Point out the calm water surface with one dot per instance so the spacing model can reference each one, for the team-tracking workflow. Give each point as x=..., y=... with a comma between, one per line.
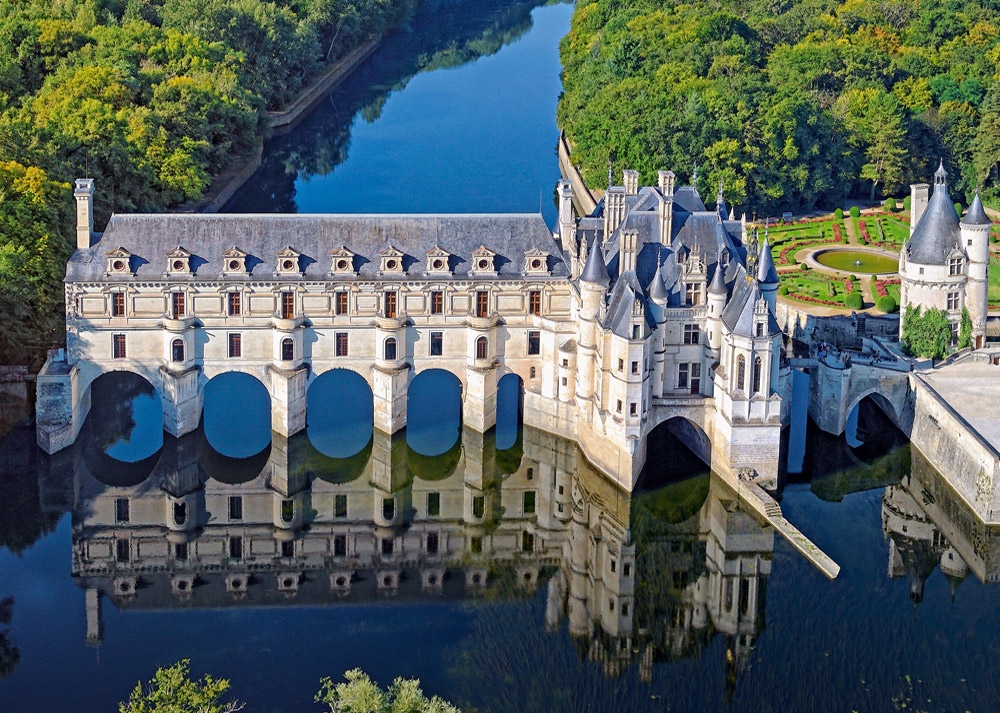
x=444, y=554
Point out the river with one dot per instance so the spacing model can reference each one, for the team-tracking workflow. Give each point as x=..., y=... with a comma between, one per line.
x=501, y=570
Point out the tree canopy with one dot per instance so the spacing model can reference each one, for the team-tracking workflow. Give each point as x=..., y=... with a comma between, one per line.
x=791, y=104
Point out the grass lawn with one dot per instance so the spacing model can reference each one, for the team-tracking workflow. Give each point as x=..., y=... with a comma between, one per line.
x=814, y=287
x=993, y=289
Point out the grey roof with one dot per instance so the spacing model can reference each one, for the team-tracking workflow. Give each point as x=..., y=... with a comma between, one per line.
x=938, y=233
x=595, y=271
x=976, y=214
x=766, y=272
x=658, y=291
x=738, y=314
x=150, y=236
x=718, y=284
x=623, y=296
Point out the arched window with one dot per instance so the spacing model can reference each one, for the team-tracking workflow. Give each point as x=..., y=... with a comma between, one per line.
x=481, y=348
x=741, y=373
x=177, y=350
x=287, y=349
x=390, y=349
x=756, y=374
x=180, y=513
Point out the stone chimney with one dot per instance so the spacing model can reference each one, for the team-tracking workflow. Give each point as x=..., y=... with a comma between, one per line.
x=919, y=194
x=630, y=179
x=614, y=210
x=666, y=183
x=84, y=195
x=567, y=221
x=629, y=247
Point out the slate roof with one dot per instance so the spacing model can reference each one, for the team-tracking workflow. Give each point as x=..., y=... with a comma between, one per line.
x=595, y=270
x=976, y=214
x=738, y=314
x=938, y=233
x=150, y=236
x=767, y=274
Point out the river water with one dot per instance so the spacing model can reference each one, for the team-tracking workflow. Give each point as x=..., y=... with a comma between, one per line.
x=500, y=570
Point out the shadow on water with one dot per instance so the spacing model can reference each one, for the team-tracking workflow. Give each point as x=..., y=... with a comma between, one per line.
x=442, y=35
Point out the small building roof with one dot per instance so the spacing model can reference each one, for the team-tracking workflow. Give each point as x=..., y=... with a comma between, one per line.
x=976, y=214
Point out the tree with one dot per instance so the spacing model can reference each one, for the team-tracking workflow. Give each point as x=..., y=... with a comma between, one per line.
x=886, y=143
x=926, y=334
x=171, y=690
x=965, y=330
x=359, y=694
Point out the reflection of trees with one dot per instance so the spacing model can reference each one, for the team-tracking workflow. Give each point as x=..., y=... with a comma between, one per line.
x=111, y=399
x=22, y=521
x=9, y=655
x=443, y=34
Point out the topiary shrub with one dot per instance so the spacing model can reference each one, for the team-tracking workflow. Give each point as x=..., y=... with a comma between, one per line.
x=906, y=203
x=854, y=301
x=803, y=266
x=890, y=204
x=855, y=212
x=783, y=290
x=854, y=278
x=839, y=214
x=886, y=304
x=958, y=209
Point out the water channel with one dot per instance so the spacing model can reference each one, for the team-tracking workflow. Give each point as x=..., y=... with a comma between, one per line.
x=501, y=570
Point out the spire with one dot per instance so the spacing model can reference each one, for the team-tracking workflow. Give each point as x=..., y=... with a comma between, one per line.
x=595, y=271
x=940, y=175
x=718, y=285
x=720, y=203
x=694, y=177
x=977, y=214
x=766, y=273
x=732, y=213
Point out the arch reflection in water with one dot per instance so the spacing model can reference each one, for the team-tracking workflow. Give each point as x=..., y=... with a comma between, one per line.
x=510, y=404
x=339, y=413
x=433, y=412
x=126, y=417
x=237, y=414
x=662, y=572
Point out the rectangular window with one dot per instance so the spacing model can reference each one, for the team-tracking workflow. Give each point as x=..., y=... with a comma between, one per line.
x=635, y=331
x=389, y=303
x=121, y=510
x=340, y=505
x=696, y=378
x=955, y=266
x=482, y=303
x=478, y=506
x=437, y=302
x=181, y=551
x=432, y=543
x=288, y=548
x=340, y=303
x=388, y=545
x=621, y=365
x=236, y=548
x=235, y=345
x=953, y=301
x=287, y=350
x=118, y=304
x=234, y=304
x=534, y=302
x=633, y=409
x=388, y=508
x=235, y=507
x=340, y=545
x=341, y=343
x=618, y=406
x=118, y=346
x=287, y=305
x=437, y=343
x=692, y=335
x=635, y=367
x=527, y=542
x=692, y=294
x=682, y=375
x=433, y=504
x=122, y=551
x=176, y=305
x=528, y=502
x=476, y=545
x=534, y=343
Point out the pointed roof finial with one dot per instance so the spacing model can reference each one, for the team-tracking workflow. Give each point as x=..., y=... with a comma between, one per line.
x=940, y=175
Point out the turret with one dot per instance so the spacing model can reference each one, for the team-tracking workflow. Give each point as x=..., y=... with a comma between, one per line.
x=659, y=297
x=593, y=283
x=716, y=303
x=84, y=195
x=975, y=228
x=767, y=276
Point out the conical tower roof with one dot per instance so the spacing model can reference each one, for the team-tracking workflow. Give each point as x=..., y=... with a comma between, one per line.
x=977, y=214
x=657, y=290
x=766, y=272
x=938, y=233
x=595, y=271
x=718, y=284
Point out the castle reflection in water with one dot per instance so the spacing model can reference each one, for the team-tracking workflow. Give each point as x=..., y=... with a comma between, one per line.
x=633, y=579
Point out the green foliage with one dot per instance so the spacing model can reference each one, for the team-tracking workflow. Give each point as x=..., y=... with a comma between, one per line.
x=906, y=203
x=965, y=330
x=783, y=290
x=958, y=209
x=886, y=304
x=854, y=278
x=172, y=691
x=855, y=212
x=839, y=214
x=359, y=694
x=854, y=300
x=926, y=334
x=790, y=104
x=890, y=204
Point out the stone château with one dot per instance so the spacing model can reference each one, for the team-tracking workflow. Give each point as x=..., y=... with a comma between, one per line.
x=652, y=309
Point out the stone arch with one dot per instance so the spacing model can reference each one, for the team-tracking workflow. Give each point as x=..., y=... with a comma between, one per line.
x=664, y=461
x=126, y=414
x=883, y=400
x=236, y=411
x=339, y=413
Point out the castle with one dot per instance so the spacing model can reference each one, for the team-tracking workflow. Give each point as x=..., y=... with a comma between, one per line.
x=653, y=309
x=945, y=263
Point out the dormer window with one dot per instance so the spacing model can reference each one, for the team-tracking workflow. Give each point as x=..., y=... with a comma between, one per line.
x=682, y=254
x=437, y=261
x=341, y=261
x=288, y=261
x=482, y=261
x=955, y=265
x=178, y=261
x=119, y=260
x=234, y=262
x=392, y=260
x=536, y=262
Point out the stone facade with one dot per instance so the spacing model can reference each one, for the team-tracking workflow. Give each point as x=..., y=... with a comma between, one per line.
x=651, y=308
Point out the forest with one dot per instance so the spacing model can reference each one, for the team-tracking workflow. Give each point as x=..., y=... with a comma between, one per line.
x=791, y=104
x=152, y=98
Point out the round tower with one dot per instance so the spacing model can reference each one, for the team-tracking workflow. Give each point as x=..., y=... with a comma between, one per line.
x=767, y=276
x=975, y=227
x=594, y=282
x=659, y=297
x=716, y=303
